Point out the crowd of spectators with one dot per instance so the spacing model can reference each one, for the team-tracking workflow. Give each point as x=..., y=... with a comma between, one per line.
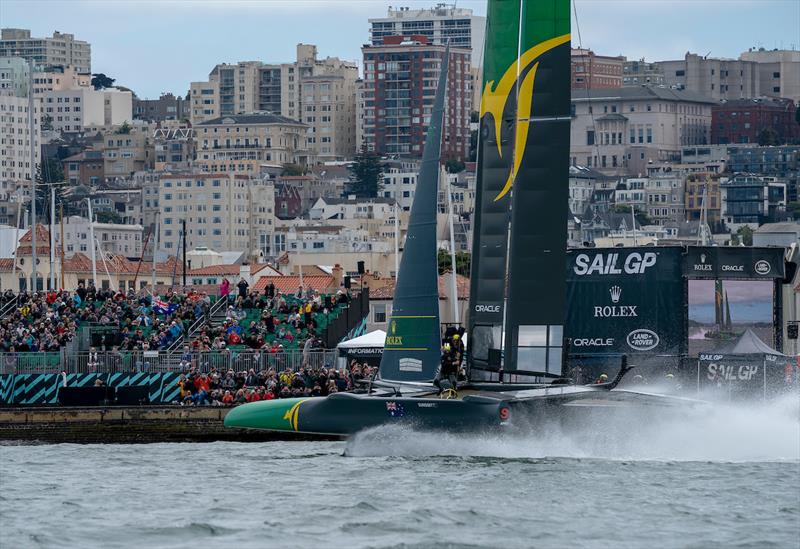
x=229, y=388
x=269, y=321
x=46, y=321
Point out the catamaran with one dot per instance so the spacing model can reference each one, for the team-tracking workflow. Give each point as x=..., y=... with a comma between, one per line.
x=518, y=283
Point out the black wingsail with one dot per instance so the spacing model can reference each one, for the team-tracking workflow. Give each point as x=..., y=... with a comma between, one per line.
x=519, y=288
x=413, y=342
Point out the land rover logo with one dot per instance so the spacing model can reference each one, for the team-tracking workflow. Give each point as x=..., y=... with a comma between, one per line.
x=763, y=267
x=642, y=340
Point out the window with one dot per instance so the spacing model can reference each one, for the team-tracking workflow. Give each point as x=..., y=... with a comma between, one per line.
x=379, y=312
x=590, y=137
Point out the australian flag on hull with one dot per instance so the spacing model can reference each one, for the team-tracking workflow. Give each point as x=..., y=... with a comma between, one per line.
x=413, y=343
x=161, y=307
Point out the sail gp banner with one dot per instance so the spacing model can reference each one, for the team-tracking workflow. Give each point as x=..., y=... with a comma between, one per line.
x=625, y=300
x=750, y=263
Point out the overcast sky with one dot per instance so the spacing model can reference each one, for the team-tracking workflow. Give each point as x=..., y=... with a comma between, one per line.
x=152, y=46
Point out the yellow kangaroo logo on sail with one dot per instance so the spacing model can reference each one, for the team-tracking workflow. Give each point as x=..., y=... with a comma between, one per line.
x=291, y=415
x=494, y=101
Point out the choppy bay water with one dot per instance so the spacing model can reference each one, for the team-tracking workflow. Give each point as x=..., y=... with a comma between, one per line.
x=728, y=480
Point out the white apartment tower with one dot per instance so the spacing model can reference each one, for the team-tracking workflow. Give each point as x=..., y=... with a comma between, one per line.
x=440, y=24
x=58, y=50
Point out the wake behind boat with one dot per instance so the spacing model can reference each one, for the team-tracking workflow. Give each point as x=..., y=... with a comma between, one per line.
x=518, y=283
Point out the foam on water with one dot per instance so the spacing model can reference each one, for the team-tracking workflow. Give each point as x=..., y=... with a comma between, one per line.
x=732, y=432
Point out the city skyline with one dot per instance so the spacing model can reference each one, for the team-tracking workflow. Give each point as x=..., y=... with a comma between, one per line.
x=171, y=56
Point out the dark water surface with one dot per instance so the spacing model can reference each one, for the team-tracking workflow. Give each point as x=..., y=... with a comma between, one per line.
x=734, y=482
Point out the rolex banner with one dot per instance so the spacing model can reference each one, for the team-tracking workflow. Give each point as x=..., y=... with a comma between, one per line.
x=625, y=300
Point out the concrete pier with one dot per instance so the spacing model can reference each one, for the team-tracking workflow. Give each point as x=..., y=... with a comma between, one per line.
x=129, y=425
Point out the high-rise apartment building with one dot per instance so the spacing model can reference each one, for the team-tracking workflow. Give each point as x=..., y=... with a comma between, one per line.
x=400, y=81
x=319, y=92
x=595, y=72
x=441, y=24
x=15, y=131
x=59, y=49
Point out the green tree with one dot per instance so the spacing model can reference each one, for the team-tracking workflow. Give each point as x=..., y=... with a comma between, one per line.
x=100, y=81
x=108, y=217
x=767, y=137
x=745, y=234
x=446, y=264
x=794, y=209
x=474, y=117
x=641, y=217
x=473, y=146
x=47, y=122
x=366, y=174
x=124, y=129
x=48, y=172
x=454, y=165
x=293, y=169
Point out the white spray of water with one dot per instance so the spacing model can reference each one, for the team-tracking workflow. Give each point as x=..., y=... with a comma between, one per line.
x=733, y=432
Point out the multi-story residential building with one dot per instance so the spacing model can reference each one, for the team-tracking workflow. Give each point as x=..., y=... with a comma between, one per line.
x=400, y=181
x=441, y=25
x=777, y=161
x=751, y=120
x=778, y=70
x=56, y=78
x=244, y=143
x=309, y=188
x=174, y=148
x=124, y=205
x=309, y=88
x=204, y=101
x=166, y=107
x=86, y=168
x=331, y=129
x=16, y=164
x=713, y=77
x=127, y=153
x=752, y=199
x=360, y=107
x=112, y=238
x=594, y=72
x=698, y=186
x=400, y=82
x=641, y=73
x=59, y=49
x=14, y=76
x=665, y=196
x=619, y=131
x=71, y=110
x=223, y=212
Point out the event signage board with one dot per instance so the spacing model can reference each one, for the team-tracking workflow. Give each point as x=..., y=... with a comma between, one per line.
x=625, y=300
x=743, y=375
x=733, y=262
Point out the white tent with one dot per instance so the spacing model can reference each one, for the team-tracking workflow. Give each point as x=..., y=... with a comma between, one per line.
x=375, y=339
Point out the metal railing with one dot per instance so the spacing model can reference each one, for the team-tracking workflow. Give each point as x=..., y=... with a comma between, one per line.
x=161, y=361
